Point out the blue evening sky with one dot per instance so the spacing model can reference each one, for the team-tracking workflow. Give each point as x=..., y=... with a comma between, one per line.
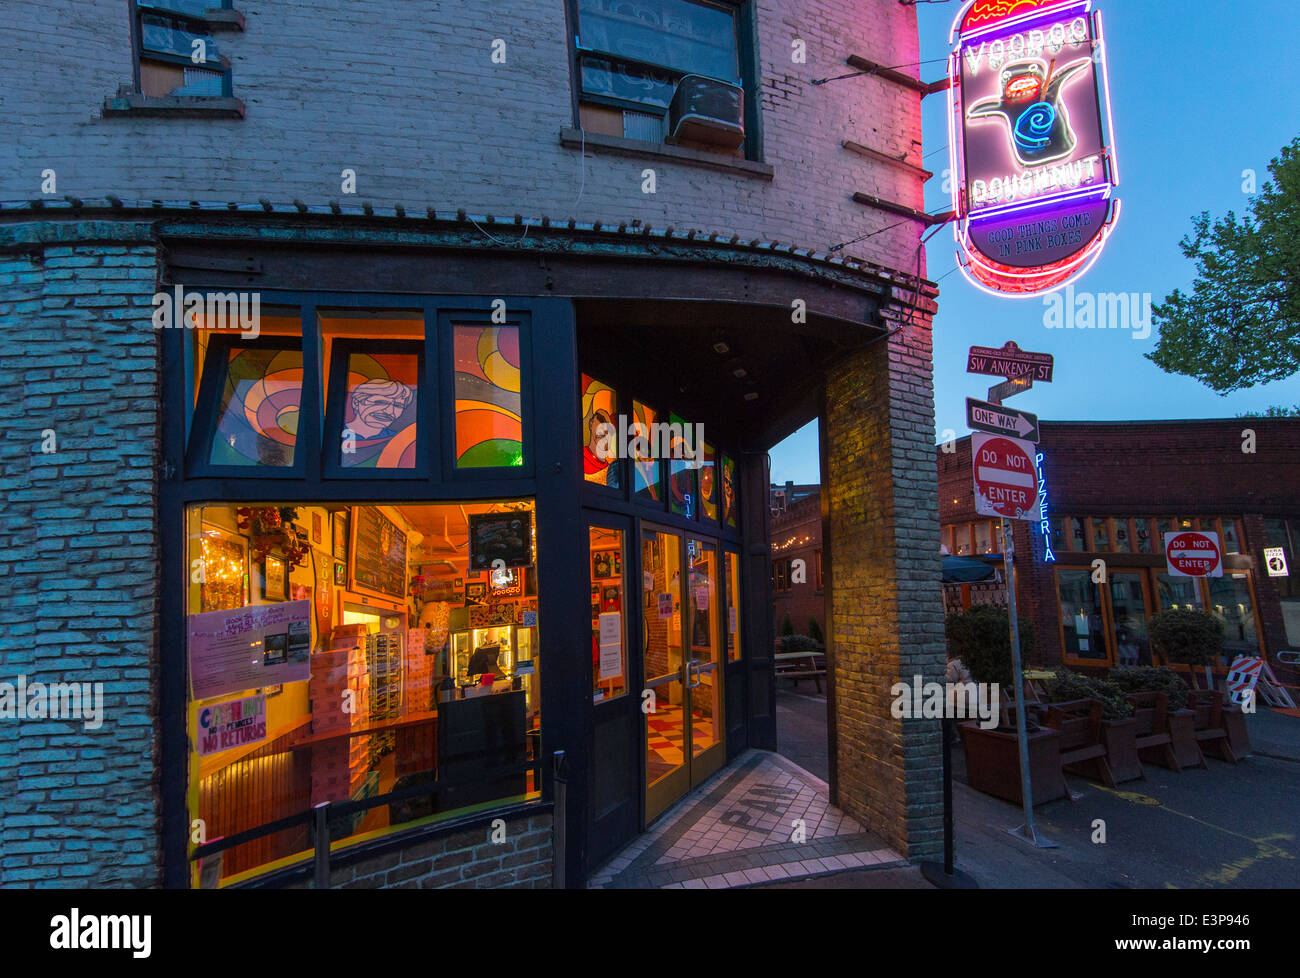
x=1201, y=90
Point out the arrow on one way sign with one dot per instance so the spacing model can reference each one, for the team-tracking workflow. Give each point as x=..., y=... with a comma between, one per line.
x=997, y=420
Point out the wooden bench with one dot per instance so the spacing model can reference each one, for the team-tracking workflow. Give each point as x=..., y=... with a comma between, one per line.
x=1211, y=730
x=801, y=665
x=1082, y=750
x=1155, y=745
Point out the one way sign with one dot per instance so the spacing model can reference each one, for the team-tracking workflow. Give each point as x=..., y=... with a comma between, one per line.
x=997, y=420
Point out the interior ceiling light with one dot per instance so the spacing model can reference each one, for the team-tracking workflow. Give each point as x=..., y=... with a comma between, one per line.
x=740, y=372
x=721, y=347
x=752, y=396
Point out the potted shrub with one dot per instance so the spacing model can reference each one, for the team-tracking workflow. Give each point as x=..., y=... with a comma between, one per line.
x=1166, y=730
x=1190, y=638
x=981, y=638
x=1118, y=725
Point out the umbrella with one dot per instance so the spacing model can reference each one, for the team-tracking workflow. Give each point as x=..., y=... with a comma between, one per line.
x=964, y=570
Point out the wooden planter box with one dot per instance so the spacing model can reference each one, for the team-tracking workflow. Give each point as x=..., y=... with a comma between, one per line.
x=993, y=763
x=1234, y=721
x=1182, y=734
x=1120, y=738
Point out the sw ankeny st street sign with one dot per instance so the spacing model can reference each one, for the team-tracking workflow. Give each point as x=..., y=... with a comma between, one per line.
x=1009, y=361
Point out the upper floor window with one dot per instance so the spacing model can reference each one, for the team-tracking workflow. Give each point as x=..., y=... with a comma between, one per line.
x=661, y=70
x=177, y=54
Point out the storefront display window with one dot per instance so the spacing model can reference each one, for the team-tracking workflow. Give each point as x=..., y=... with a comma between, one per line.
x=1100, y=535
x=983, y=539
x=1123, y=542
x=1231, y=537
x=608, y=628
x=1230, y=600
x=730, y=508
x=600, y=462
x=961, y=539
x=1078, y=542
x=489, y=412
x=1060, y=542
x=379, y=411
x=1177, y=592
x=645, y=467
x=261, y=393
x=684, y=496
x=733, y=604
x=1129, y=614
x=345, y=652
x=709, y=484
x=1081, y=621
x=1143, y=534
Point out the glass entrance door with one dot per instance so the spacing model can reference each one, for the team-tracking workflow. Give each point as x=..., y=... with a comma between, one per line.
x=682, y=699
x=704, y=672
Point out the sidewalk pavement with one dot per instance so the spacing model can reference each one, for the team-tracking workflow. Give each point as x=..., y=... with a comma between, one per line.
x=1274, y=734
x=758, y=820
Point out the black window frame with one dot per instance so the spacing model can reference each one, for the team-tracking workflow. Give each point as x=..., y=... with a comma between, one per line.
x=341, y=350
x=183, y=20
x=742, y=13
x=207, y=411
x=447, y=321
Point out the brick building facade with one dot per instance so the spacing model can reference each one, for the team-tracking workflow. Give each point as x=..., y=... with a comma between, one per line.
x=405, y=168
x=798, y=589
x=1113, y=490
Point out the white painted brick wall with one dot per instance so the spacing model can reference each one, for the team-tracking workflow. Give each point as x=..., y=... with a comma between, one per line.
x=407, y=95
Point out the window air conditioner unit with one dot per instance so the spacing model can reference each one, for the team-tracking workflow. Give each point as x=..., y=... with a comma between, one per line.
x=707, y=111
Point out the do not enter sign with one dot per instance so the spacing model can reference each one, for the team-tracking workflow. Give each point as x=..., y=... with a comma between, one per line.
x=1193, y=554
x=1006, y=479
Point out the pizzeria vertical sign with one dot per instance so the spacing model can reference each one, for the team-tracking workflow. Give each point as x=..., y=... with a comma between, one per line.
x=1033, y=157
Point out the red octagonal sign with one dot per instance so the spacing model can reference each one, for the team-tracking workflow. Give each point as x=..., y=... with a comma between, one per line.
x=1193, y=554
x=1006, y=479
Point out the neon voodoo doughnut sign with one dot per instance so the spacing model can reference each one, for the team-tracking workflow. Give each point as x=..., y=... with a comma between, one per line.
x=1033, y=157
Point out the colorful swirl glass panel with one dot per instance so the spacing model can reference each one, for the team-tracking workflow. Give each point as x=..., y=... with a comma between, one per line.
x=258, y=419
x=489, y=417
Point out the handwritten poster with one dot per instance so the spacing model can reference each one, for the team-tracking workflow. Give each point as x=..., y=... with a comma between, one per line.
x=233, y=724
x=247, y=648
x=611, y=645
x=665, y=606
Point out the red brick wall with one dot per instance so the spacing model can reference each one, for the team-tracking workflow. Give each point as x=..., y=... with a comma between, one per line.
x=801, y=521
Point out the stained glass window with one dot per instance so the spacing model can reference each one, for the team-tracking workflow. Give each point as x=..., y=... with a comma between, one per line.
x=489, y=413
x=729, y=508
x=379, y=414
x=258, y=417
x=682, y=468
x=599, y=433
x=709, y=484
x=645, y=466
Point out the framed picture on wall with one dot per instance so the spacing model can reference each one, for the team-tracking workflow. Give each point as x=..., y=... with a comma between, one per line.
x=226, y=582
x=340, y=574
x=317, y=529
x=275, y=577
x=460, y=584
x=339, y=522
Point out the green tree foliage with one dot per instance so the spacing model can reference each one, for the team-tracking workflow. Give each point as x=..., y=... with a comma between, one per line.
x=1241, y=324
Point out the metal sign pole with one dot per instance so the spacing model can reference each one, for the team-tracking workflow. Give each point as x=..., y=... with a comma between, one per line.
x=1025, y=831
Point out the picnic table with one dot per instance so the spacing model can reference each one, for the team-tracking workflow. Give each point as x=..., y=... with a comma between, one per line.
x=801, y=665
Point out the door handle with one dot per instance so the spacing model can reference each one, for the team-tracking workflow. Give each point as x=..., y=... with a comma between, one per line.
x=693, y=665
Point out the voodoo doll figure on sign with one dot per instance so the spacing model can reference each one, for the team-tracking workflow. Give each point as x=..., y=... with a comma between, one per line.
x=1030, y=105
